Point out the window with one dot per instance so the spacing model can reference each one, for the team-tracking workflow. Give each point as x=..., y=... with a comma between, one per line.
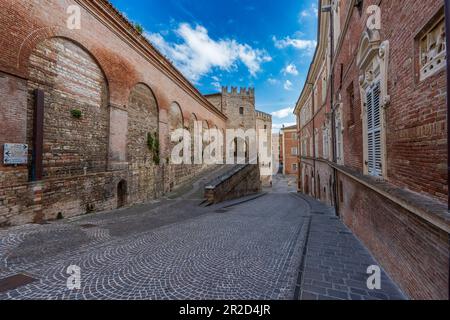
x=304, y=149
x=324, y=87
x=241, y=110
x=294, y=167
x=433, y=50
x=316, y=98
x=265, y=127
x=374, y=159
x=294, y=151
x=339, y=145
x=295, y=136
x=316, y=143
x=336, y=22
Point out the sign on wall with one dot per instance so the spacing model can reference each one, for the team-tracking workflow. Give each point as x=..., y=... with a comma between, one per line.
x=15, y=154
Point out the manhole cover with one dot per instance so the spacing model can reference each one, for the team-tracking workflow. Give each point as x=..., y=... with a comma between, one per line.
x=88, y=226
x=14, y=282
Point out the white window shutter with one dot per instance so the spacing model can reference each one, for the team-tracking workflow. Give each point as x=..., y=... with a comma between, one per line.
x=374, y=130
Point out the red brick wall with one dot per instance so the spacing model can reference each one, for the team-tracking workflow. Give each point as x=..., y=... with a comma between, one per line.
x=289, y=159
x=416, y=117
x=414, y=252
x=124, y=89
x=71, y=80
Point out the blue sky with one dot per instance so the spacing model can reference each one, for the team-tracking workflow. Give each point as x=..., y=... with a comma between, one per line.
x=264, y=44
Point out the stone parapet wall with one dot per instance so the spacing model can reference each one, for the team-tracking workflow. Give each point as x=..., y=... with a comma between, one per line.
x=240, y=181
x=413, y=251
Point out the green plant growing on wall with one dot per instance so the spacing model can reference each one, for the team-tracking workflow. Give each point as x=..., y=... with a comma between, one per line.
x=139, y=28
x=153, y=146
x=76, y=113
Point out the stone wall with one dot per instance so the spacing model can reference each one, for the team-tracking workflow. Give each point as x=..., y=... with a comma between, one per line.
x=124, y=90
x=77, y=195
x=241, y=181
x=232, y=101
x=264, y=122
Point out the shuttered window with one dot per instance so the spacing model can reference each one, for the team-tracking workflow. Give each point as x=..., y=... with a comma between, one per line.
x=325, y=143
x=374, y=162
x=338, y=140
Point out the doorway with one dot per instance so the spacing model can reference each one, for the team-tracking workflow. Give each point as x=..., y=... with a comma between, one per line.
x=122, y=194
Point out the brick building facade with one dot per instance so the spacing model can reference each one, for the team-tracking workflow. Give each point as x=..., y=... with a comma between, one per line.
x=289, y=142
x=372, y=124
x=95, y=107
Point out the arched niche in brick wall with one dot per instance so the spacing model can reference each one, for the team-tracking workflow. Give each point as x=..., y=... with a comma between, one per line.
x=143, y=120
x=75, y=107
x=176, y=121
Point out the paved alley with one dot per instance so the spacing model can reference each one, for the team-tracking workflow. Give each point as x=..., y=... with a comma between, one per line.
x=278, y=245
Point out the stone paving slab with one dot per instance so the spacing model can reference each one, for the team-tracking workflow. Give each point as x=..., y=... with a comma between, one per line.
x=335, y=262
x=250, y=251
x=175, y=249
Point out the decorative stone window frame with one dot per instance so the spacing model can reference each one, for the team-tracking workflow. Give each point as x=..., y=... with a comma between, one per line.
x=432, y=60
x=373, y=64
x=316, y=143
x=306, y=113
x=324, y=83
x=326, y=139
x=336, y=21
x=339, y=131
x=304, y=143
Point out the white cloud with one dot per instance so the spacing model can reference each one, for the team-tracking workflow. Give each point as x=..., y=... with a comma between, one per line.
x=197, y=54
x=283, y=113
x=288, y=85
x=307, y=45
x=290, y=69
x=216, y=85
x=273, y=81
x=309, y=12
x=279, y=126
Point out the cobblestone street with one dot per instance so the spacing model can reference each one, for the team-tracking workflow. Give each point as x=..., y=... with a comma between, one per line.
x=275, y=246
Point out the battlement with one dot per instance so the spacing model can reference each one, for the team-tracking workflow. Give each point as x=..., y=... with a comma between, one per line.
x=242, y=91
x=263, y=116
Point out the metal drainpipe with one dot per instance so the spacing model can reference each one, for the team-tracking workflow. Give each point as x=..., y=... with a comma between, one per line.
x=447, y=36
